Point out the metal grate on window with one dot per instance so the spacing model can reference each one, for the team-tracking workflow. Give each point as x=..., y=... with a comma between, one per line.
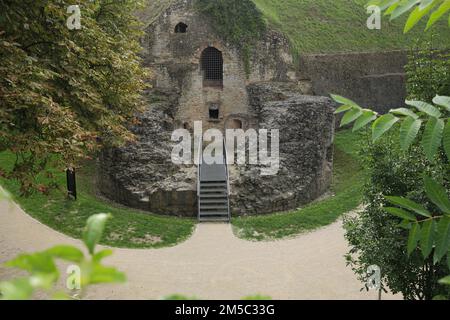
x=212, y=66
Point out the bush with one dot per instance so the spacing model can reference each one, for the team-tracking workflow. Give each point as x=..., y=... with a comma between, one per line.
x=428, y=74
x=375, y=237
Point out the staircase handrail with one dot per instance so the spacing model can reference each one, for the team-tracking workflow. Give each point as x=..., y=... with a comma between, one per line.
x=227, y=175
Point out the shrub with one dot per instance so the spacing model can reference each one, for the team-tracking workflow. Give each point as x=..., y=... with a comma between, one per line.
x=428, y=74
x=374, y=235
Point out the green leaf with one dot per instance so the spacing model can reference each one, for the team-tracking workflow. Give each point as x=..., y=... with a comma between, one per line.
x=442, y=239
x=408, y=132
x=432, y=137
x=442, y=101
x=405, y=112
x=382, y=125
x=416, y=16
x=391, y=8
x=425, y=3
x=102, y=274
x=445, y=281
x=400, y=213
x=437, y=14
x=402, y=8
x=342, y=109
x=345, y=101
x=437, y=194
x=427, y=238
x=409, y=205
x=99, y=256
x=94, y=230
x=19, y=289
x=446, y=140
x=413, y=238
x=367, y=117
x=424, y=107
x=351, y=116
x=67, y=253
x=34, y=263
x=43, y=280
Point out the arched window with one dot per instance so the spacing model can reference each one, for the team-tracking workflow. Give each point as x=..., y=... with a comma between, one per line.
x=235, y=124
x=181, y=28
x=212, y=67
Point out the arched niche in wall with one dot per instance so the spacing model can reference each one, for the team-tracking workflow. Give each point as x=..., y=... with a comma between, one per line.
x=236, y=121
x=181, y=28
x=235, y=124
x=212, y=67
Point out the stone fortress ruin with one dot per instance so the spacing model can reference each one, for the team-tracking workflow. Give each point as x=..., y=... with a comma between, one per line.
x=198, y=76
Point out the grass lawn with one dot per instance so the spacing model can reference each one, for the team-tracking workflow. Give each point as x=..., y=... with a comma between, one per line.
x=133, y=229
x=347, y=185
x=325, y=26
x=128, y=228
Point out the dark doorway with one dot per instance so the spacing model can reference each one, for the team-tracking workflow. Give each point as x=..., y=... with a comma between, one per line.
x=212, y=67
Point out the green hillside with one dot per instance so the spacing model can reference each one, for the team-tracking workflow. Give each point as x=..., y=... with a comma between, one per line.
x=316, y=26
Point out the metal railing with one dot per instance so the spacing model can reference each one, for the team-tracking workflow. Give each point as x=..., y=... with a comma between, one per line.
x=225, y=153
x=199, y=170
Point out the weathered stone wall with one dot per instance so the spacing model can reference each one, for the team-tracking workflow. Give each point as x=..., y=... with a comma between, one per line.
x=142, y=175
x=306, y=151
x=374, y=80
x=175, y=57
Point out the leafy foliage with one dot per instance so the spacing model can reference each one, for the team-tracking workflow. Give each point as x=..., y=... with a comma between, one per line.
x=435, y=9
x=237, y=21
x=428, y=74
x=433, y=232
x=434, y=135
x=43, y=271
x=435, y=116
x=384, y=232
x=66, y=92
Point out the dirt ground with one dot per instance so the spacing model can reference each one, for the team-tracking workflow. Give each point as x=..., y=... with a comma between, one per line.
x=212, y=264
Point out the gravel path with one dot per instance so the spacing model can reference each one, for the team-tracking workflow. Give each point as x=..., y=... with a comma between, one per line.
x=213, y=264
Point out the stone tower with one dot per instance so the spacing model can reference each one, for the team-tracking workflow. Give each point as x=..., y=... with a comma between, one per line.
x=197, y=76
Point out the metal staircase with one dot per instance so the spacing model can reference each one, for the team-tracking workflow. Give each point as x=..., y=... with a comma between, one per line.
x=213, y=190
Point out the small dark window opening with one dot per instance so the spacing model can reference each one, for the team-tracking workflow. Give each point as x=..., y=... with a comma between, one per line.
x=212, y=67
x=214, y=112
x=181, y=28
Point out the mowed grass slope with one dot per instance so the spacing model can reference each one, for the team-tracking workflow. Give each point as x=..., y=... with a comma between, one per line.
x=319, y=26
x=325, y=26
x=128, y=228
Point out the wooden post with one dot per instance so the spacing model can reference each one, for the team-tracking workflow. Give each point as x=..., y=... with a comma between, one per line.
x=71, y=183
